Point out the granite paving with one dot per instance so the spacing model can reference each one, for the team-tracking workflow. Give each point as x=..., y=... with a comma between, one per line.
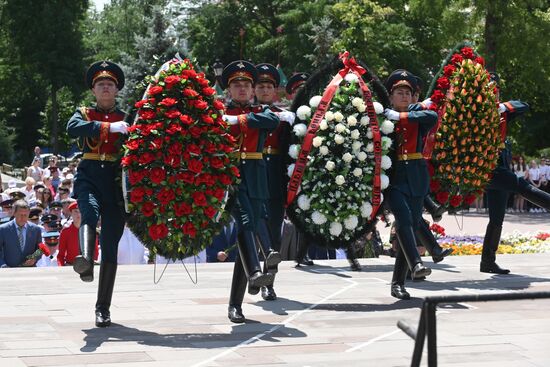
x=326, y=315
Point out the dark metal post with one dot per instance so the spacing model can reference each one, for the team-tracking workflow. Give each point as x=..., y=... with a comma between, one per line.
x=431, y=333
x=420, y=337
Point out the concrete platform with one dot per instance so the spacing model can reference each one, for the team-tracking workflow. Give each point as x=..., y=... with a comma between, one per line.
x=325, y=316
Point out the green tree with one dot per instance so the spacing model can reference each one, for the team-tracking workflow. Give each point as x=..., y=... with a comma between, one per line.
x=155, y=48
x=52, y=49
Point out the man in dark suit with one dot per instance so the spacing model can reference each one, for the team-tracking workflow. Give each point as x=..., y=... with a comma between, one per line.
x=19, y=238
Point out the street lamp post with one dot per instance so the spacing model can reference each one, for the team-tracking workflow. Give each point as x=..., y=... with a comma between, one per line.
x=218, y=70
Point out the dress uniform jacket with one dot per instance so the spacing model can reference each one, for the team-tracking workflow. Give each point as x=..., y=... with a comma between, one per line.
x=95, y=187
x=251, y=132
x=410, y=173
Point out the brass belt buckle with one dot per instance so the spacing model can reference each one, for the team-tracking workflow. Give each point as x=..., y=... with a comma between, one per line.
x=243, y=155
x=269, y=150
x=405, y=157
x=102, y=156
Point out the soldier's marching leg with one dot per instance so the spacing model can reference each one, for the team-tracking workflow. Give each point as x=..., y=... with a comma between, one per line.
x=533, y=194
x=352, y=258
x=89, y=208
x=496, y=201
x=435, y=210
x=111, y=232
x=302, y=247
x=407, y=212
x=236, y=295
x=272, y=259
x=398, y=278
x=107, y=275
x=251, y=264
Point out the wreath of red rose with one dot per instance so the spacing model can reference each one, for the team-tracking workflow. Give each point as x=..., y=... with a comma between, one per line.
x=178, y=163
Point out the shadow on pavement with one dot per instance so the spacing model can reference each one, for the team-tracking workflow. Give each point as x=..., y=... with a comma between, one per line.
x=119, y=333
x=496, y=282
x=282, y=305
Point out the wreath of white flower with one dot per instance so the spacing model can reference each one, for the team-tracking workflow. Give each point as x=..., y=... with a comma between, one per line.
x=336, y=189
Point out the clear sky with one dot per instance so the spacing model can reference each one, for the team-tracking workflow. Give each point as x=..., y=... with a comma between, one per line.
x=99, y=3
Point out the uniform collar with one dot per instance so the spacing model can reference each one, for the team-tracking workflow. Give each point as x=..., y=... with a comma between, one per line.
x=234, y=104
x=98, y=109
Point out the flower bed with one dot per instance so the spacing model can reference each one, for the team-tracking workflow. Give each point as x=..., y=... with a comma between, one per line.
x=515, y=243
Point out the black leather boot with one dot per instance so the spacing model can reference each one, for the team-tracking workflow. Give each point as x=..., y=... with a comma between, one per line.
x=236, y=295
x=398, y=279
x=107, y=274
x=352, y=259
x=251, y=264
x=435, y=210
x=302, y=258
x=490, y=247
x=272, y=257
x=536, y=196
x=268, y=293
x=426, y=238
x=407, y=241
x=84, y=264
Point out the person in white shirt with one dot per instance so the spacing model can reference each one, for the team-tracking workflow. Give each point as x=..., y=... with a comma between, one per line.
x=51, y=239
x=544, y=174
x=28, y=190
x=520, y=169
x=131, y=250
x=534, y=174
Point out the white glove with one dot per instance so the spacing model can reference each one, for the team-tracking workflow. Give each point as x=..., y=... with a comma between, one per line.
x=231, y=120
x=427, y=102
x=501, y=108
x=286, y=116
x=120, y=127
x=391, y=114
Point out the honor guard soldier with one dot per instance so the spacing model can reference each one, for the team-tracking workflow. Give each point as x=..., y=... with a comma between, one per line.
x=502, y=183
x=424, y=235
x=101, y=132
x=276, y=145
x=295, y=82
x=409, y=183
x=250, y=125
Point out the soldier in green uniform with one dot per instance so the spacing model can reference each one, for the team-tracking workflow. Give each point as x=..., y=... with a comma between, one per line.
x=409, y=183
x=295, y=82
x=101, y=132
x=502, y=183
x=250, y=125
x=276, y=145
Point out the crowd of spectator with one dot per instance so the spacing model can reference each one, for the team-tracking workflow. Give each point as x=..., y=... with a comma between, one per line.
x=536, y=172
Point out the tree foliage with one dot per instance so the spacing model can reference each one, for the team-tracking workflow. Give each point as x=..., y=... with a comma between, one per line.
x=45, y=47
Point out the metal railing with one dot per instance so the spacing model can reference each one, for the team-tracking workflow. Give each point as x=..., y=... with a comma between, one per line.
x=427, y=323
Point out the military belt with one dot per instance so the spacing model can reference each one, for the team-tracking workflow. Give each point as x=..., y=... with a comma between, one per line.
x=251, y=155
x=99, y=157
x=271, y=151
x=409, y=157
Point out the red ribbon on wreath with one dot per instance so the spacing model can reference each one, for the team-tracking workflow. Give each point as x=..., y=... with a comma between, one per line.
x=350, y=65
